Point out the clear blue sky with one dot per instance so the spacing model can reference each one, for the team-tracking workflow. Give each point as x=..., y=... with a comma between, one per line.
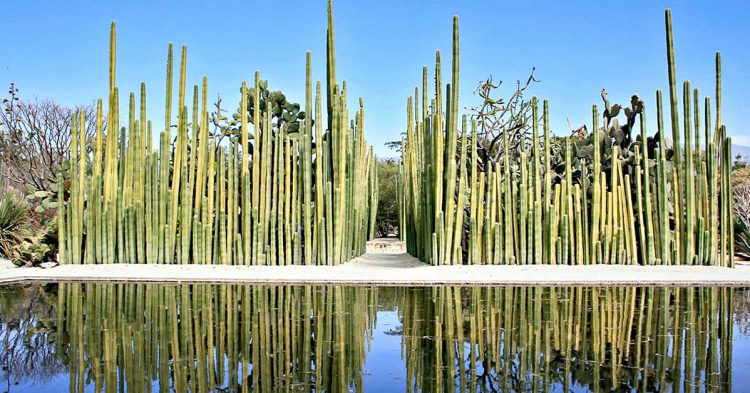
x=58, y=50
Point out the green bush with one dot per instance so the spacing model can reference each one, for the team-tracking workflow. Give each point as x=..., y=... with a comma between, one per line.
x=32, y=252
x=26, y=237
x=741, y=196
x=14, y=224
x=388, y=199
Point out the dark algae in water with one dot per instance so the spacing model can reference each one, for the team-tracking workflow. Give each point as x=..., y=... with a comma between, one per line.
x=234, y=338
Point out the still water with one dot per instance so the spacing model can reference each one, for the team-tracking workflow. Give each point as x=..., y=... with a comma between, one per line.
x=161, y=338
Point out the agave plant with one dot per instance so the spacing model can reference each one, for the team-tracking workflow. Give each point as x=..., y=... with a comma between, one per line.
x=14, y=224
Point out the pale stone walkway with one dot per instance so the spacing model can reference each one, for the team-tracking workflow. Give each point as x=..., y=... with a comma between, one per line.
x=390, y=269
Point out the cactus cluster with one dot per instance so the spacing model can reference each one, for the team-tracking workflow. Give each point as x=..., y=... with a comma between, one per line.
x=278, y=196
x=671, y=205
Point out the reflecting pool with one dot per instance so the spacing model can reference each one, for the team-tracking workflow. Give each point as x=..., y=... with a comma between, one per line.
x=207, y=338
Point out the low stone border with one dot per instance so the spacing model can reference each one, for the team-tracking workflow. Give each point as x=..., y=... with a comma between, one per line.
x=377, y=269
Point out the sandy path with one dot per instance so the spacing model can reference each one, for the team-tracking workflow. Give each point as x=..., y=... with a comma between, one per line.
x=391, y=269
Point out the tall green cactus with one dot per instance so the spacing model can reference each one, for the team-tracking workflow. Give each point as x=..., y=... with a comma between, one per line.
x=261, y=198
x=521, y=211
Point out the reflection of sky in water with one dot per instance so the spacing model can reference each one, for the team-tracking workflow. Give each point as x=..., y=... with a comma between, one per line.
x=740, y=361
x=384, y=369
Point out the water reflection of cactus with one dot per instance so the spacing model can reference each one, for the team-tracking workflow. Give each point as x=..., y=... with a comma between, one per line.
x=125, y=337
x=594, y=339
x=144, y=337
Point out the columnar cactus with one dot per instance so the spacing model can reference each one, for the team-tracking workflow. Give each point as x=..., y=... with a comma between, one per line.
x=668, y=206
x=262, y=198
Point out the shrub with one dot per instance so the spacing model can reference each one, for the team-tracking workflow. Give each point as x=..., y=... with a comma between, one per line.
x=14, y=224
x=741, y=196
x=32, y=252
x=388, y=198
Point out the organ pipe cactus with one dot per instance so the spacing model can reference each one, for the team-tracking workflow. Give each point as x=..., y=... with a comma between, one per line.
x=669, y=206
x=262, y=197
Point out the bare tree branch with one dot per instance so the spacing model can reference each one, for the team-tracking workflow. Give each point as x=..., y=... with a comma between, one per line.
x=35, y=140
x=496, y=117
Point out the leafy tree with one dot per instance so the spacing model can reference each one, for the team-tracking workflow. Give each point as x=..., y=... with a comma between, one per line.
x=388, y=197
